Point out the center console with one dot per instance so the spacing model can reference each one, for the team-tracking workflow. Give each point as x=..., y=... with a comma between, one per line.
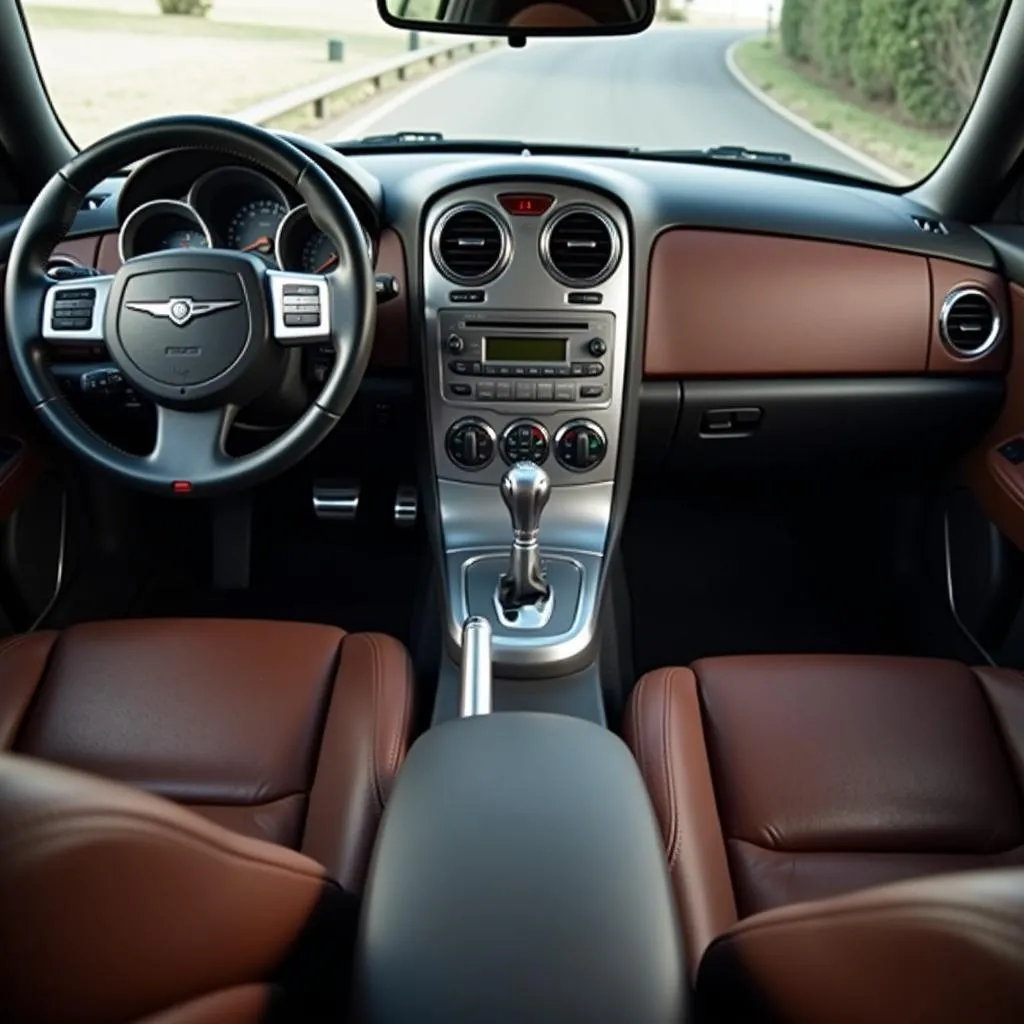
x=526, y=290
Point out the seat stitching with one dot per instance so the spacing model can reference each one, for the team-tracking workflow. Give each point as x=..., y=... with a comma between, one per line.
x=374, y=717
x=674, y=833
x=406, y=714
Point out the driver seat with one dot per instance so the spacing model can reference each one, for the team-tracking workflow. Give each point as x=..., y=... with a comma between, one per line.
x=285, y=732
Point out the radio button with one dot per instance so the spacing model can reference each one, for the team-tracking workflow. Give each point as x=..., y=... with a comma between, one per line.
x=461, y=390
x=490, y=371
x=455, y=344
x=518, y=371
x=545, y=392
x=533, y=371
x=504, y=371
x=595, y=369
x=503, y=391
x=592, y=391
x=597, y=347
x=486, y=392
x=459, y=367
x=579, y=369
x=565, y=392
x=563, y=371
x=476, y=369
x=526, y=391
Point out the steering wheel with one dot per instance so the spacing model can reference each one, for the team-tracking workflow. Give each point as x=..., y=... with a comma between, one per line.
x=199, y=332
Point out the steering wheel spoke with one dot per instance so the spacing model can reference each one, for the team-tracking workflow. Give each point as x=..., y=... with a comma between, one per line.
x=300, y=308
x=76, y=310
x=190, y=445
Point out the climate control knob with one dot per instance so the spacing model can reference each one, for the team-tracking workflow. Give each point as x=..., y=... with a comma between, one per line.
x=525, y=441
x=470, y=444
x=580, y=445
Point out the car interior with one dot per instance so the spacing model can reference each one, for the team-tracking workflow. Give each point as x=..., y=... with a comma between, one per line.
x=462, y=581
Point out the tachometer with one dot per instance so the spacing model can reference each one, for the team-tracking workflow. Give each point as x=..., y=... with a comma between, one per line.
x=319, y=254
x=254, y=226
x=160, y=225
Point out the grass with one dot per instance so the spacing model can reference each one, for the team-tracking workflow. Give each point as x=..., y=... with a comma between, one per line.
x=913, y=152
x=106, y=68
x=87, y=19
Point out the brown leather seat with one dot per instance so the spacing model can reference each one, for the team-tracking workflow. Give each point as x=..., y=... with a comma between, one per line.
x=786, y=787
x=281, y=731
x=120, y=906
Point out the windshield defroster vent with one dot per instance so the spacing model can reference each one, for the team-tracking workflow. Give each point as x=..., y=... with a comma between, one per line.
x=969, y=322
x=471, y=244
x=580, y=247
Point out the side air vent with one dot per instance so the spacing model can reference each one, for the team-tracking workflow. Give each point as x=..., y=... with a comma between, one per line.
x=930, y=225
x=580, y=247
x=969, y=322
x=471, y=245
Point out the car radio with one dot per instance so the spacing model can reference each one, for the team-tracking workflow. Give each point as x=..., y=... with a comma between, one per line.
x=502, y=357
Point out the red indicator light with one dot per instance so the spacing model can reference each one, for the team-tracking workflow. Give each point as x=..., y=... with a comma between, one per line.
x=181, y=487
x=526, y=205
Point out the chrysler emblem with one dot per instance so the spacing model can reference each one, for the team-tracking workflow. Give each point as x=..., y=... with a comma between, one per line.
x=181, y=311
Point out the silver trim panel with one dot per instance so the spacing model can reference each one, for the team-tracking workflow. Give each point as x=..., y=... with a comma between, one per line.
x=947, y=306
x=95, y=331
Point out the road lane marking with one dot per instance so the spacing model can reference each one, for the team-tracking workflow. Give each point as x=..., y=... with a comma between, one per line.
x=362, y=125
x=867, y=162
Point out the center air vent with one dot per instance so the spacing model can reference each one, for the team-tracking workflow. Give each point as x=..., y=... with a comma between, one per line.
x=969, y=322
x=580, y=247
x=471, y=245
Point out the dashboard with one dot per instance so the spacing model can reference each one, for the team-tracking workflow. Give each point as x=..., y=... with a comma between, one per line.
x=738, y=304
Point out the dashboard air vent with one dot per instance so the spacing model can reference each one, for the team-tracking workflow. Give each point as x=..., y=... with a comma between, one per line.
x=580, y=247
x=471, y=245
x=931, y=225
x=969, y=322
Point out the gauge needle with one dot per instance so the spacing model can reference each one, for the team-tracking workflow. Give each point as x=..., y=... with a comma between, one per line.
x=262, y=244
x=327, y=264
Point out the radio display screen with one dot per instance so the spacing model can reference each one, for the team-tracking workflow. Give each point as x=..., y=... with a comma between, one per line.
x=525, y=350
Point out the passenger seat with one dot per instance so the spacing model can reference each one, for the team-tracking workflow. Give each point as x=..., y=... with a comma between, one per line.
x=787, y=787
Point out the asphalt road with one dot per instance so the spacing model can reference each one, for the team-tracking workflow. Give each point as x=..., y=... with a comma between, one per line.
x=667, y=88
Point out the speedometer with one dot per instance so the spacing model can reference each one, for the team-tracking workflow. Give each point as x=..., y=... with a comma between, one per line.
x=254, y=225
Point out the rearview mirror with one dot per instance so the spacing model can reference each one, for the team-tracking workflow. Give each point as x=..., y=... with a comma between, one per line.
x=520, y=18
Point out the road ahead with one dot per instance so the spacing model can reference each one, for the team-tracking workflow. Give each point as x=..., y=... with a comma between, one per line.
x=667, y=88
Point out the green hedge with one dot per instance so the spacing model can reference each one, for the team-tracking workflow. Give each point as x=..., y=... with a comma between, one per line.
x=922, y=56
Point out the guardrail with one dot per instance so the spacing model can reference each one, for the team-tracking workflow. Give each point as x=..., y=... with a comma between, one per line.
x=318, y=101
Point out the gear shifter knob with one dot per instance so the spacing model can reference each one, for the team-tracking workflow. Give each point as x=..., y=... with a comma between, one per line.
x=525, y=489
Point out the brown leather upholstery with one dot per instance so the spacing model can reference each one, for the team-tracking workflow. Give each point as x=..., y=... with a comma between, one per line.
x=949, y=948
x=118, y=904
x=282, y=731
x=780, y=780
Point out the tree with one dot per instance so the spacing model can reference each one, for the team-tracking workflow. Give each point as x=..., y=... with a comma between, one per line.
x=195, y=8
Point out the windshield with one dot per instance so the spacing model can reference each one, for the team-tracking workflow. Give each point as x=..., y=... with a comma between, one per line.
x=873, y=88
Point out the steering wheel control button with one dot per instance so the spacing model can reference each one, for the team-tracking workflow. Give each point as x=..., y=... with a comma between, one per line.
x=301, y=312
x=525, y=441
x=74, y=312
x=470, y=444
x=580, y=446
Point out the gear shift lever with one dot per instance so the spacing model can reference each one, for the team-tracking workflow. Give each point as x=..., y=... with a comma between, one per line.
x=525, y=489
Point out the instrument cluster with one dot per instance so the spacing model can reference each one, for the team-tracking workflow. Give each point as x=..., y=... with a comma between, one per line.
x=233, y=208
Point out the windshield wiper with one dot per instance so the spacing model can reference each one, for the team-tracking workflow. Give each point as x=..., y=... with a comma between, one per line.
x=738, y=153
